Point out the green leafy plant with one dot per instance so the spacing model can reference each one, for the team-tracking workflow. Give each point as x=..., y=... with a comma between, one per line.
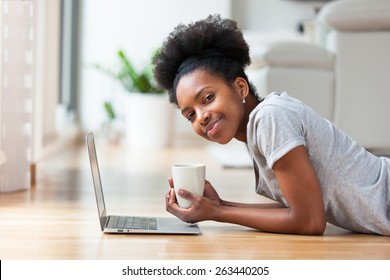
x=109, y=111
x=131, y=79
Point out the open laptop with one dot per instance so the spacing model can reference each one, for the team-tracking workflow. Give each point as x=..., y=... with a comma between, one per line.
x=130, y=224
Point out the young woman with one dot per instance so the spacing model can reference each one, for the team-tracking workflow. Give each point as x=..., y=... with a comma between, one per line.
x=314, y=172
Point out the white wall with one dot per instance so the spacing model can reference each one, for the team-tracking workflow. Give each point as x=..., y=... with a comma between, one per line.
x=272, y=15
x=139, y=27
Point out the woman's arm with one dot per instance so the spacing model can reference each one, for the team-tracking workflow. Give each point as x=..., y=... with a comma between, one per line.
x=250, y=205
x=300, y=186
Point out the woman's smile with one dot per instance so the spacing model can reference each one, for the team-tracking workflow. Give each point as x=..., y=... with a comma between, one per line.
x=212, y=128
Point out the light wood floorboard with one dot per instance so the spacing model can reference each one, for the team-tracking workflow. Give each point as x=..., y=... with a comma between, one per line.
x=57, y=218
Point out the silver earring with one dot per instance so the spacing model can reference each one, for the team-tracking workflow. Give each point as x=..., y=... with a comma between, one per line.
x=243, y=101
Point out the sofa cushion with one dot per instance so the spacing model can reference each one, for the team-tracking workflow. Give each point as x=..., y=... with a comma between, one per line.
x=356, y=15
x=292, y=54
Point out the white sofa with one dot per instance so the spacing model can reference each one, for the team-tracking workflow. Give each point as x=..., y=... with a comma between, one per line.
x=344, y=76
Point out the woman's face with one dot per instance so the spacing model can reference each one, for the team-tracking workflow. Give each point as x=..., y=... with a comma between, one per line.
x=215, y=109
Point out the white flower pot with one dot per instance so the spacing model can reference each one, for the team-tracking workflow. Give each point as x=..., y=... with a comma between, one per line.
x=148, y=120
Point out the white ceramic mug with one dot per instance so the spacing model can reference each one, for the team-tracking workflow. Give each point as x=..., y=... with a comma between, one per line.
x=190, y=177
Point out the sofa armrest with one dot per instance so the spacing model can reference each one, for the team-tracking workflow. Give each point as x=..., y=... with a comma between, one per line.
x=356, y=15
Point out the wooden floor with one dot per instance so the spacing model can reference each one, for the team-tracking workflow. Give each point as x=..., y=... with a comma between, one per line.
x=57, y=219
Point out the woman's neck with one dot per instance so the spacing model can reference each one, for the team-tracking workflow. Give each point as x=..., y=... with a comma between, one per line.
x=251, y=103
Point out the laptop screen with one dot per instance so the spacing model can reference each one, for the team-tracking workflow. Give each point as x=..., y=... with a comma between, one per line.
x=96, y=178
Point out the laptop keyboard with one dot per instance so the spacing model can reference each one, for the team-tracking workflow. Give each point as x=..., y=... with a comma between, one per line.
x=122, y=222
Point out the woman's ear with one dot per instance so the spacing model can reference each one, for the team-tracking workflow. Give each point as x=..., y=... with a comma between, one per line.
x=242, y=87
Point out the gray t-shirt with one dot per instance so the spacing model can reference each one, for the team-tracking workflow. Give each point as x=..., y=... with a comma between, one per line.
x=355, y=184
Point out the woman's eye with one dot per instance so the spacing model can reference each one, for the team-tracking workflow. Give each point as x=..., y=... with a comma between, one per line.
x=208, y=98
x=190, y=117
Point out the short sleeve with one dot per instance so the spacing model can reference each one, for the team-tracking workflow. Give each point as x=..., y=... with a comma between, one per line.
x=279, y=130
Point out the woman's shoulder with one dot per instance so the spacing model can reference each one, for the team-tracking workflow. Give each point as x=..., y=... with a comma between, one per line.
x=277, y=102
x=279, y=98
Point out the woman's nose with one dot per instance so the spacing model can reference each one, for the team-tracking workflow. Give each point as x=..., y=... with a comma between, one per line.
x=204, y=118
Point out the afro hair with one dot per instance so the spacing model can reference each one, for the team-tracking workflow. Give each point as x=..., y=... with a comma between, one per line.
x=213, y=33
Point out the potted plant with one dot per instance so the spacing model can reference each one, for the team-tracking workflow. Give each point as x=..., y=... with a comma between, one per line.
x=148, y=114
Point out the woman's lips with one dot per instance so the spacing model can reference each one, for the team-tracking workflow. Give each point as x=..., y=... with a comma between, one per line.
x=212, y=127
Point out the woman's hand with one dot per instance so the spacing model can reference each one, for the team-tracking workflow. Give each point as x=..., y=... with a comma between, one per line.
x=202, y=208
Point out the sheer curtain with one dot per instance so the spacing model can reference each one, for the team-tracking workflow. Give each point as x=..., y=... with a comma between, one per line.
x=16, y=96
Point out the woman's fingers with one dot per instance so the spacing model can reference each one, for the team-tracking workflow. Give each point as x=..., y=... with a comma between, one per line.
x=170, y=181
